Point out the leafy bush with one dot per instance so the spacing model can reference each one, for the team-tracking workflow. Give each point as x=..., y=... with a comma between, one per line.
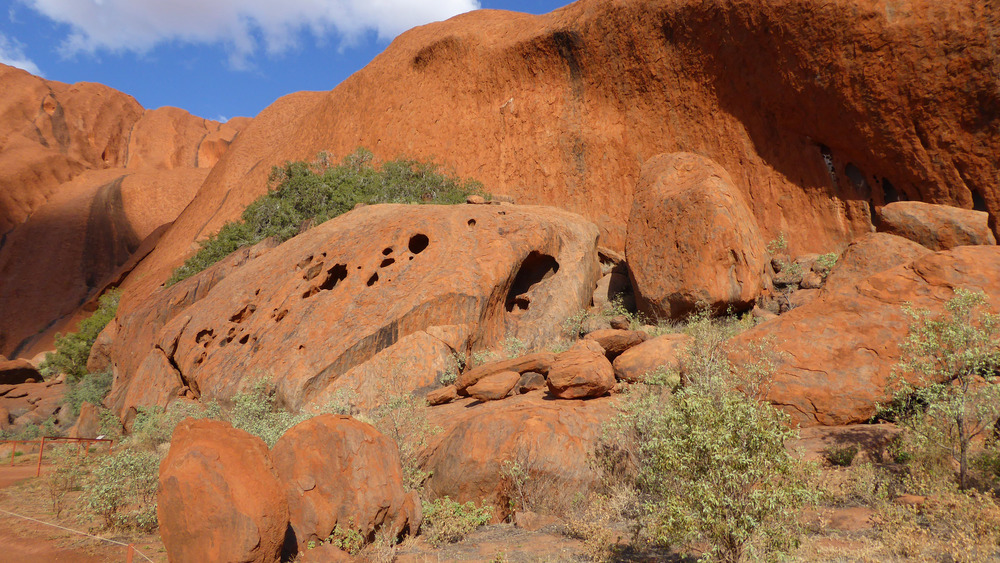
x=91, y=388
x=256, y=412
x=841, y=456
x=951, y=396
x=446, y=521
x=403, y=418
x=122, y=489
x=73, y=349
x=311, y=193
x=827, y=261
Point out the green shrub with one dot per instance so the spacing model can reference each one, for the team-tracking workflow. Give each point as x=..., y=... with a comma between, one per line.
x=91, y=388
x=303, y=193
x=446, y=521
x=841, y=456
x=256, y=412
x=73, y=349
x=827, y=261
x=402, y=417
x=122, y=489
x=347, y=539
x=945, y=389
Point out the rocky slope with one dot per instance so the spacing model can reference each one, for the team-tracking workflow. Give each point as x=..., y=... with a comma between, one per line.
x=86, y=175
x=820, y=112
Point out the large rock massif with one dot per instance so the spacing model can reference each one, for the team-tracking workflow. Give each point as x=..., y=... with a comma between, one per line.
x=86, y=176
x=398, y=287
x=818, y=111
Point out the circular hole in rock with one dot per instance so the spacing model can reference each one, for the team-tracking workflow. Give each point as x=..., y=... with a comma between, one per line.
x=387, y=251
x=418, y=243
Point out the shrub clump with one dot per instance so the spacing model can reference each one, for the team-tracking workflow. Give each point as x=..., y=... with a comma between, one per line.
x=447, y=521
x=73, y=349
x=310, y=193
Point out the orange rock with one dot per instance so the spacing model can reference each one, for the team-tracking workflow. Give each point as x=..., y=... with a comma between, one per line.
x=938, y=227
x=616, y=341
x=14, y=372
x=529, y=381
x=540, y=362
x=836, y=354
x=337, y=470
x=310, y=314
x=494, y=386
x=218, y=498
x=442, y=396
x=692, y=240
x=581, y=372
x=663, y=351
x=88, y=424
x=553, y=442
x=869, y=255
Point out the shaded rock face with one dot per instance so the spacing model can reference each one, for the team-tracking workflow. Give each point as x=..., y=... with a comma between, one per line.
x=218, y=497
x=852, y=105
x=335, y=469
x=86, y=175
x=13, y=372
x=33, y=403
x=312, y=311
x=837, y=352
x=552, y=441
x=692, y=239
x=938, y=227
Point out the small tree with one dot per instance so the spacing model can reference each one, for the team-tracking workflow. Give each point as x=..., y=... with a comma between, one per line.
x=944, y=384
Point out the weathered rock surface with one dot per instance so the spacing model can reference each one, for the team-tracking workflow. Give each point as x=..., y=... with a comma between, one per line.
x=615, y=341
x=13, y=372
x=869, y=255
x=34, y=403
x=337, y=470
x=938, y=227
x=218, y=498
x=692, y=239
x=581, y=372
x=494, y=387
x=88, y=423
x=309, y=313
x=661, y=352
x=565, y=107
x=836, y=353
x=551, y=440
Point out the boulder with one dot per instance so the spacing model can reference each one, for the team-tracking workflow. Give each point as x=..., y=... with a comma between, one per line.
x=443, y=395
x=14, y=372
x=540, y=362
x=616, y=341
x=835, y=354
x=218, y=498
x=581, y=372
x=937, y=227
x=552, y=441
x=337, y=470
x=88, y=423
x=661, y=352
x=529, y=381
x=614, y=285
x=100, y=353
x=869, y=255
x=494, y=387
x=692, y=239
x=400, y=288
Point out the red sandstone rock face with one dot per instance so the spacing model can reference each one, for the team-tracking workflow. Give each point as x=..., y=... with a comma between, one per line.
x=219, y=499
x=938, y=227
x=552, y=441
x=337, y=470
x=565, y=108
x=97, y=175
x=401, y=286
x=692, y=239
x=869, y=255
x=837, y=352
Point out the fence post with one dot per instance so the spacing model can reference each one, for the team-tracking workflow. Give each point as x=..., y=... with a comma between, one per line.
x=13, y=450
x=129, y=553
x=41, y=448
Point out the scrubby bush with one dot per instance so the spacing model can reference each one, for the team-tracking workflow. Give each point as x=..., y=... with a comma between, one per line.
x=841, y=456
x=402, y=417
x=447, y=521
x=256, y=411
x=945, y=388
x=311, y=193
x=91, y=388
x=73, y=349
x=122, y=489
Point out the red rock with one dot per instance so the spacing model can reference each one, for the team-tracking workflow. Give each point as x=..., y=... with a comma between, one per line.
x=616, y=341
x=88, y=424
x=937, y=227
x=337, y=296
x=871, y=440
x=442, y=396
x=581, y=372
x=802, y=297
x=540, y=362
x=337, y=470
x=529, y=381
x=811, y=280
x=836, y=354
x=5, y=419
x=325, y=553
x=619, y=322
x=100, y=353
x=218, y=498
x=692, y=239
x=612, y=286
x=494, y=387
x=663, y=351
x=869, y=255
x=532, y=521
x=14, y=372
x=553, y=441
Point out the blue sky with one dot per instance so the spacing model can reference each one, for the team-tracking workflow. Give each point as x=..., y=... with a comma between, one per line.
x=215, y=58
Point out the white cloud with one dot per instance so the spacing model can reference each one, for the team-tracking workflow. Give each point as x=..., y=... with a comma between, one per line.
x=244, y=26
x=12, y=53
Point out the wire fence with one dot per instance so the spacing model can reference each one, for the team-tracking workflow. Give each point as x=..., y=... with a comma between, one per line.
x=130, y=548
x=83, y=442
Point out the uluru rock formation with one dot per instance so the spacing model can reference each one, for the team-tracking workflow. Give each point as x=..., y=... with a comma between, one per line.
x=820, y=112
x=86, y=175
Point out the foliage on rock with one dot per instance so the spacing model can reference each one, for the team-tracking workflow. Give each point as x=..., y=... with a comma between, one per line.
x=73, y=349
